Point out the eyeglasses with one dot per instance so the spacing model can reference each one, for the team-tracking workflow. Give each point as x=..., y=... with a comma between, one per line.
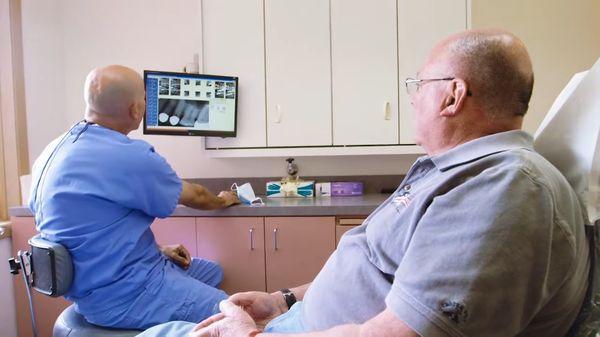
x=413, y=84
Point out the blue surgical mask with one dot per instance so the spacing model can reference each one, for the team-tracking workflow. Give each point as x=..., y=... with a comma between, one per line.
x=246, y=194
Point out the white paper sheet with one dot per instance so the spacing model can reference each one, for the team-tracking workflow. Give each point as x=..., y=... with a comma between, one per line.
x=569, y=136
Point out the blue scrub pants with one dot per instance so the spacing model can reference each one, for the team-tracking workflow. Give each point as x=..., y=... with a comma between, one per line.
x=181, y=295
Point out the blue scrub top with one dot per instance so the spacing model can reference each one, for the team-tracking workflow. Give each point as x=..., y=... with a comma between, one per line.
x=99, y=193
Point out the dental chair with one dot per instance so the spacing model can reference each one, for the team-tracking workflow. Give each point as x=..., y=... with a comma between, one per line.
x=48, y=268
x=569, y=137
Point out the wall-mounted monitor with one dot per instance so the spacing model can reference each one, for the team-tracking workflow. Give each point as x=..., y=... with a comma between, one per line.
x=190, y=104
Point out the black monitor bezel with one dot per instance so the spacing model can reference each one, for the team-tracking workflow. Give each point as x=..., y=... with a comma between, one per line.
x=207, y=133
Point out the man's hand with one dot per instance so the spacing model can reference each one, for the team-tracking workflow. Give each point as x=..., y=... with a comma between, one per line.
x=233, y=321
x=229, y=198
x=178, y=254
x=262, y=307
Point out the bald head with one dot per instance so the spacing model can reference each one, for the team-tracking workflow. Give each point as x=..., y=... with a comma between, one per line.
x=497, y=67
x=114, y=97
x=111, y=90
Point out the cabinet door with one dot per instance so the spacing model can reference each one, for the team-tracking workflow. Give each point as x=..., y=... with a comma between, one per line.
x=237, y=244
x=297, y=249
x=47, y=308
x=298, y=72
x=420, y=25
x=364, y=72
x=172, y=231
x=233, y=45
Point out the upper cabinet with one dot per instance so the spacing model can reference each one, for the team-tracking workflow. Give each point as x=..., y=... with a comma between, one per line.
x=323, y=74
x=298, y=72
x=364, y=60
x=233, y=45
x=420, y=25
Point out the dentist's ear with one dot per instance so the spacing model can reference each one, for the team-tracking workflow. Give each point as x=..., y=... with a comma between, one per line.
x=137, y=111
x=456, y=97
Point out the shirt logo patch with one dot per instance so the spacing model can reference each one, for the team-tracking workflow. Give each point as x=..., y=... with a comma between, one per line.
x=455, y=311
x=403, y=200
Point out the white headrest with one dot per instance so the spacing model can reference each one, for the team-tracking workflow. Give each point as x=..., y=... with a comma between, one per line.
x=569, y=136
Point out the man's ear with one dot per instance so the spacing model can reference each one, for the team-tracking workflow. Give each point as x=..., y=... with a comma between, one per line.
x=134, y=111
x=455, y=99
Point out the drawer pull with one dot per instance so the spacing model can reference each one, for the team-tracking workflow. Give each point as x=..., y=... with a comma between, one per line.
x=278, y=114
x=387, y=113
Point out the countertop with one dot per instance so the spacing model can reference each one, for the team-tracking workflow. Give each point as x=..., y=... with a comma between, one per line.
x=322, y=206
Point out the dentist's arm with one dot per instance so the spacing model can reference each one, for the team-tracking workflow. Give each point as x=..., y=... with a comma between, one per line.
x=197, y=196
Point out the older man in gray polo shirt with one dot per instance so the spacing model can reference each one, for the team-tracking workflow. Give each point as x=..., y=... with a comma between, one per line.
x=483, y=237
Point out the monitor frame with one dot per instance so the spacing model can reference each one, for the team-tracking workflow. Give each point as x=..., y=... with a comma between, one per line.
x=189, y=132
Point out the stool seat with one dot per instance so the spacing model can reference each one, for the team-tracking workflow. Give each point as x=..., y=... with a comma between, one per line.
x=72, y=324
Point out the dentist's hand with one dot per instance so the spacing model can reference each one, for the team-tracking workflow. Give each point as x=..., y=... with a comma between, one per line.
x=229, y=198
x=233, y=321
x=178, y=254
x=262, y=307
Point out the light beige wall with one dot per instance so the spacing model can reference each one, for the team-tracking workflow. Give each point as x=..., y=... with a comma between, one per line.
x=64, y=39
x=44, y=71
x=563, y=38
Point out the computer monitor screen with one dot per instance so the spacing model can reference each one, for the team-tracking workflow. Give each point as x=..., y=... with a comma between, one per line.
x=190, y=104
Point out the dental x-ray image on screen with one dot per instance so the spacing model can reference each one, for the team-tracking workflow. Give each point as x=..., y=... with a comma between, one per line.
x=182, y=112
x=190, y=104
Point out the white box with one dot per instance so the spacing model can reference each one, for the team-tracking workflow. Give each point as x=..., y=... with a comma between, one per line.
x=323, y=189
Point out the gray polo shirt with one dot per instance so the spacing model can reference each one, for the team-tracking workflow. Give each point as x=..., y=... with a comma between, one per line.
x=486, y=239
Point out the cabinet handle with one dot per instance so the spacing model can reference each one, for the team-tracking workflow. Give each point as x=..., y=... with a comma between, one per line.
x=275, y=238
x=387, y=113
x=278, y=112
x=251, y=231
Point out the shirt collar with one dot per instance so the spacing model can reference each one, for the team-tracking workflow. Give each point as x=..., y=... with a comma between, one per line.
x=482, y=147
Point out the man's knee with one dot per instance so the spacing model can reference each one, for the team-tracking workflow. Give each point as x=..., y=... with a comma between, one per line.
x=206, y=271
x=217, y=270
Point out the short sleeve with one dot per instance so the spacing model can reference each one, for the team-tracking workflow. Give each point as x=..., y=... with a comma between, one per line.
x=148, y=182
x=478, y=262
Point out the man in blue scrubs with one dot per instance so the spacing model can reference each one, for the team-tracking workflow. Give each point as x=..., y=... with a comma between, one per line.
x=96, y=191
x=484, y=237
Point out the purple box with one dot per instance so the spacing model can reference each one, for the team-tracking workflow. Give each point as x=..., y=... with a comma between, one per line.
x=343, y=188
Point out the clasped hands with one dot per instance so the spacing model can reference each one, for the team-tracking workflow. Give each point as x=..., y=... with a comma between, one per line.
x=242, y=315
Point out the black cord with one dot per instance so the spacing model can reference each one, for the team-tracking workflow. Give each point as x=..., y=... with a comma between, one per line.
x=87, y=124
x=39, y=209
x=49, y=160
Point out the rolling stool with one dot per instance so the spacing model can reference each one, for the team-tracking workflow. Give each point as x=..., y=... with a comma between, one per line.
x=49, y=270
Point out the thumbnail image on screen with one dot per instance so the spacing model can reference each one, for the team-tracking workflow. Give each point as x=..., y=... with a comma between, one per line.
x=190, y=104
